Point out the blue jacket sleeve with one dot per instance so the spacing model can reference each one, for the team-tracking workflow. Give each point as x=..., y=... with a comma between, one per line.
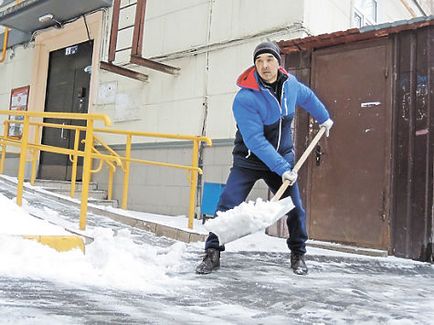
x=250, y=123
x=308, y=100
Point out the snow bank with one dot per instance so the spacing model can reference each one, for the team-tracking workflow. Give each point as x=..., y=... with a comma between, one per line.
x=111, y=261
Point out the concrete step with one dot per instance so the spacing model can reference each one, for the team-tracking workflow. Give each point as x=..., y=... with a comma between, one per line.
x=93, y=194
x=65, y=185
x=105, y=203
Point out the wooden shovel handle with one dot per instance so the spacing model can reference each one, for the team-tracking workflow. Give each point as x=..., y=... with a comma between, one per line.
x=300, y=163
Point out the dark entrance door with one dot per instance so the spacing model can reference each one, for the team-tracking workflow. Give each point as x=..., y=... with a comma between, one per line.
x=349, y=174
x=67, y=91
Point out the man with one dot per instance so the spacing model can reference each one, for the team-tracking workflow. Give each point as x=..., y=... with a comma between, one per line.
x=263, y=109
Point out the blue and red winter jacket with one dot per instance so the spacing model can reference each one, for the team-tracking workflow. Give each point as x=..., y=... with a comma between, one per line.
x=264, y=138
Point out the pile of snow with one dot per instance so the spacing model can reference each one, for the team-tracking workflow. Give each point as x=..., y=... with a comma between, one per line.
x=112, y=260
x=247, y=218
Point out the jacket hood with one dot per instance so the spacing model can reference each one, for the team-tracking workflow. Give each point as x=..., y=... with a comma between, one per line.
x=249, y=80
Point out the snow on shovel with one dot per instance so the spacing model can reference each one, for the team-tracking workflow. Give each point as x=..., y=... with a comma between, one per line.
x=250, y=217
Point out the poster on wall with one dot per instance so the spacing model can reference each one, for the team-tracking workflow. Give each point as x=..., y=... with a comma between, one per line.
x=19, y=102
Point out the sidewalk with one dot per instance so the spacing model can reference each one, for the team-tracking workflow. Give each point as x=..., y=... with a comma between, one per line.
x=131, y=276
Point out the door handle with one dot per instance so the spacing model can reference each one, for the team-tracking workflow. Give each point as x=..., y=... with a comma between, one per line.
x=318, y=154
x=62, y=133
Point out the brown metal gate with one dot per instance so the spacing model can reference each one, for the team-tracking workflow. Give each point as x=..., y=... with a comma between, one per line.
x=376, y=171
x=348, y=196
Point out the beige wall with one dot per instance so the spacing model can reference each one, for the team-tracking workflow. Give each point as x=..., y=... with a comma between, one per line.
x=15, y=72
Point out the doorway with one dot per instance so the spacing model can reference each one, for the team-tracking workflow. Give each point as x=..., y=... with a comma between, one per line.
x=348, y=197
x=67, y=91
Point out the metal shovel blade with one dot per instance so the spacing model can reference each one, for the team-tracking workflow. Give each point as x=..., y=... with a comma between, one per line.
x=247, y=218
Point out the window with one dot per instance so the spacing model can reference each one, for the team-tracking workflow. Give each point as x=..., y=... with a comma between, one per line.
x=365, y=13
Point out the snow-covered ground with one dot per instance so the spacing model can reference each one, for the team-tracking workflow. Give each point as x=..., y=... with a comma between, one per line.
x=129, y=276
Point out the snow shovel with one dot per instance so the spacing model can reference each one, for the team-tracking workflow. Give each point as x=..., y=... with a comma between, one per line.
x=251, y=217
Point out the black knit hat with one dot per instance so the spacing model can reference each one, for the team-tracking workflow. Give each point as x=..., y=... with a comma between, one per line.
x=267, y=47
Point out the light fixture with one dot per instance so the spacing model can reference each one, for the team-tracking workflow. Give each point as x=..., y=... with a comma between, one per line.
x=48, y=18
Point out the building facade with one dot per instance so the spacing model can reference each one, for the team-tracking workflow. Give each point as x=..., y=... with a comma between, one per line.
x=199, y=48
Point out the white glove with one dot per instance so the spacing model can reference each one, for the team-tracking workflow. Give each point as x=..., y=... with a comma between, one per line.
x=328, y=125
x=291, y=176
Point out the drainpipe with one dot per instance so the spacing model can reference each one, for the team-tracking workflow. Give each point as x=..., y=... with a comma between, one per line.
x=5, y=45
x=204, y=109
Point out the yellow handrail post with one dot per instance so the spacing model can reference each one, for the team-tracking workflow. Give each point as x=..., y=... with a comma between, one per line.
x=87, y=166
x=22, y=164
x=34, y=157
x=74, y=163
x=193, y=183
x=5, y=45
x=126, y=172
x=5, y=134
x=110, y=183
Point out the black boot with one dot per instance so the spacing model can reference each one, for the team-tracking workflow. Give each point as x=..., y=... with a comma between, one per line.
x=298, y=264
x=210, y=262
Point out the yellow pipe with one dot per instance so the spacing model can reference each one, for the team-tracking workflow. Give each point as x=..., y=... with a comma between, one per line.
x=34, y=158
x=156, y=135
x=74, y=164
x=87, y=165
x=126, y=172
x=22, y=164
x=193, y=184
x=163, y=164
x=47, y=148
x=59, y=126
x=110, y=183
x=5, y=45
x=5, y=135
x=65, y=116
x=44, y=147
x=103, y=160
x=98, y=169
x=110, y=150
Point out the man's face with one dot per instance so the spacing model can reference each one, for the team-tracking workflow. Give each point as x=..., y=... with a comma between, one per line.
x=267, y=66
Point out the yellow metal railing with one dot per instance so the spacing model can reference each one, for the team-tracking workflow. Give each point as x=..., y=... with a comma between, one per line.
x=112, y=159
x=193, y=168
x=112, y=167
x=24, y=144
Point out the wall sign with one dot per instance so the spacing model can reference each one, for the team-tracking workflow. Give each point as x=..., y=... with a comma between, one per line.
x=19, y=102
x=71, y=50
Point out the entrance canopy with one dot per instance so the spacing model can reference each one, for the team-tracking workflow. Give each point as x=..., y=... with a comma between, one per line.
x=31, y=15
